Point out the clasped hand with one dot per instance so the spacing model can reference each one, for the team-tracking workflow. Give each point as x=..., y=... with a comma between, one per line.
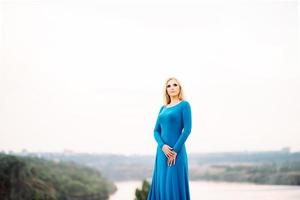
x=170, y=154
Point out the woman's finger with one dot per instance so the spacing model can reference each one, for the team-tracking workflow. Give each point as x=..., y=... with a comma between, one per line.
x=166, y=154
x=170, y=161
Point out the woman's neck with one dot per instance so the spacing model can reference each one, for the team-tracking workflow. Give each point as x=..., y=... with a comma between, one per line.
x=174, y=100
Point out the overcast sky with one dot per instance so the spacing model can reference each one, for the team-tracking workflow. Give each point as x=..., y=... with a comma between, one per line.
x=87, y=76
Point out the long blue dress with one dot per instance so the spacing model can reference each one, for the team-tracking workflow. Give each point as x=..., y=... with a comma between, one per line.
x=173, y=126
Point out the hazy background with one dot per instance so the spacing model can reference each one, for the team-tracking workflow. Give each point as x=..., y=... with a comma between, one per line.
x=87, y=76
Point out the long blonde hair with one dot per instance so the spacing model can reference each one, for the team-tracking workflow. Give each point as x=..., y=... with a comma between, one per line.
x=166, y=97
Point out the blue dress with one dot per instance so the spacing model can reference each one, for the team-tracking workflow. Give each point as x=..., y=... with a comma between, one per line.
x=173, y=126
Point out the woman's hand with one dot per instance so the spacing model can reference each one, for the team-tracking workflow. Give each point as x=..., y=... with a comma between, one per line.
x=168, y=151
x=172, y=159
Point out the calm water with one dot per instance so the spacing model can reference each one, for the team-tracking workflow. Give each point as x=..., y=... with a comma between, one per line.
x=205, y=190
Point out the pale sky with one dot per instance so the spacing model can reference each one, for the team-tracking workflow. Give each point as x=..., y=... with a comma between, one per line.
x=88, y=75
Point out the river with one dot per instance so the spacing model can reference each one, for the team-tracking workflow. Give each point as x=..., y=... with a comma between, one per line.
x=207, y=190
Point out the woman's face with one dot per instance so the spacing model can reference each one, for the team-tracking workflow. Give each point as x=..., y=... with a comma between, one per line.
x=173, y=88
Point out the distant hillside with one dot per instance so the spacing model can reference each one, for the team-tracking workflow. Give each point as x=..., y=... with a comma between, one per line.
x=273, y=167
x=39, y=179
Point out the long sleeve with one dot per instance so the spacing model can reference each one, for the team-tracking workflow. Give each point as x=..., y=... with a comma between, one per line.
x=157, y=131
x=187, y=127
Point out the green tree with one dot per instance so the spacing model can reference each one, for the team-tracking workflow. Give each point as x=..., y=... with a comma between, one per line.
x=141, y=194
x=40, y=179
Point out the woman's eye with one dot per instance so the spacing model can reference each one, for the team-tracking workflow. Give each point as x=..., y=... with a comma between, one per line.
x=168, y=86
x=175, y=84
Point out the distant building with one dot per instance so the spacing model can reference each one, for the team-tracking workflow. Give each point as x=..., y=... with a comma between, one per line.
x=24, y=152
x=68, y=152
x=285, y=150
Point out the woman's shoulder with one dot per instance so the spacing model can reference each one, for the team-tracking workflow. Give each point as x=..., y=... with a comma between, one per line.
x=186, y=102
x=186, y=105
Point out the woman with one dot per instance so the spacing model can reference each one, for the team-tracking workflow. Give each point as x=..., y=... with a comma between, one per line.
x=170, y=180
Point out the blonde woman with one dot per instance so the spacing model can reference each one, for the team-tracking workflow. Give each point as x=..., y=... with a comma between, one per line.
x=170, y=180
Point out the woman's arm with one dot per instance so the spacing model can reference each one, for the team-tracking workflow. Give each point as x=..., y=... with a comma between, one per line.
x=187, y=127
x=157, y=132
